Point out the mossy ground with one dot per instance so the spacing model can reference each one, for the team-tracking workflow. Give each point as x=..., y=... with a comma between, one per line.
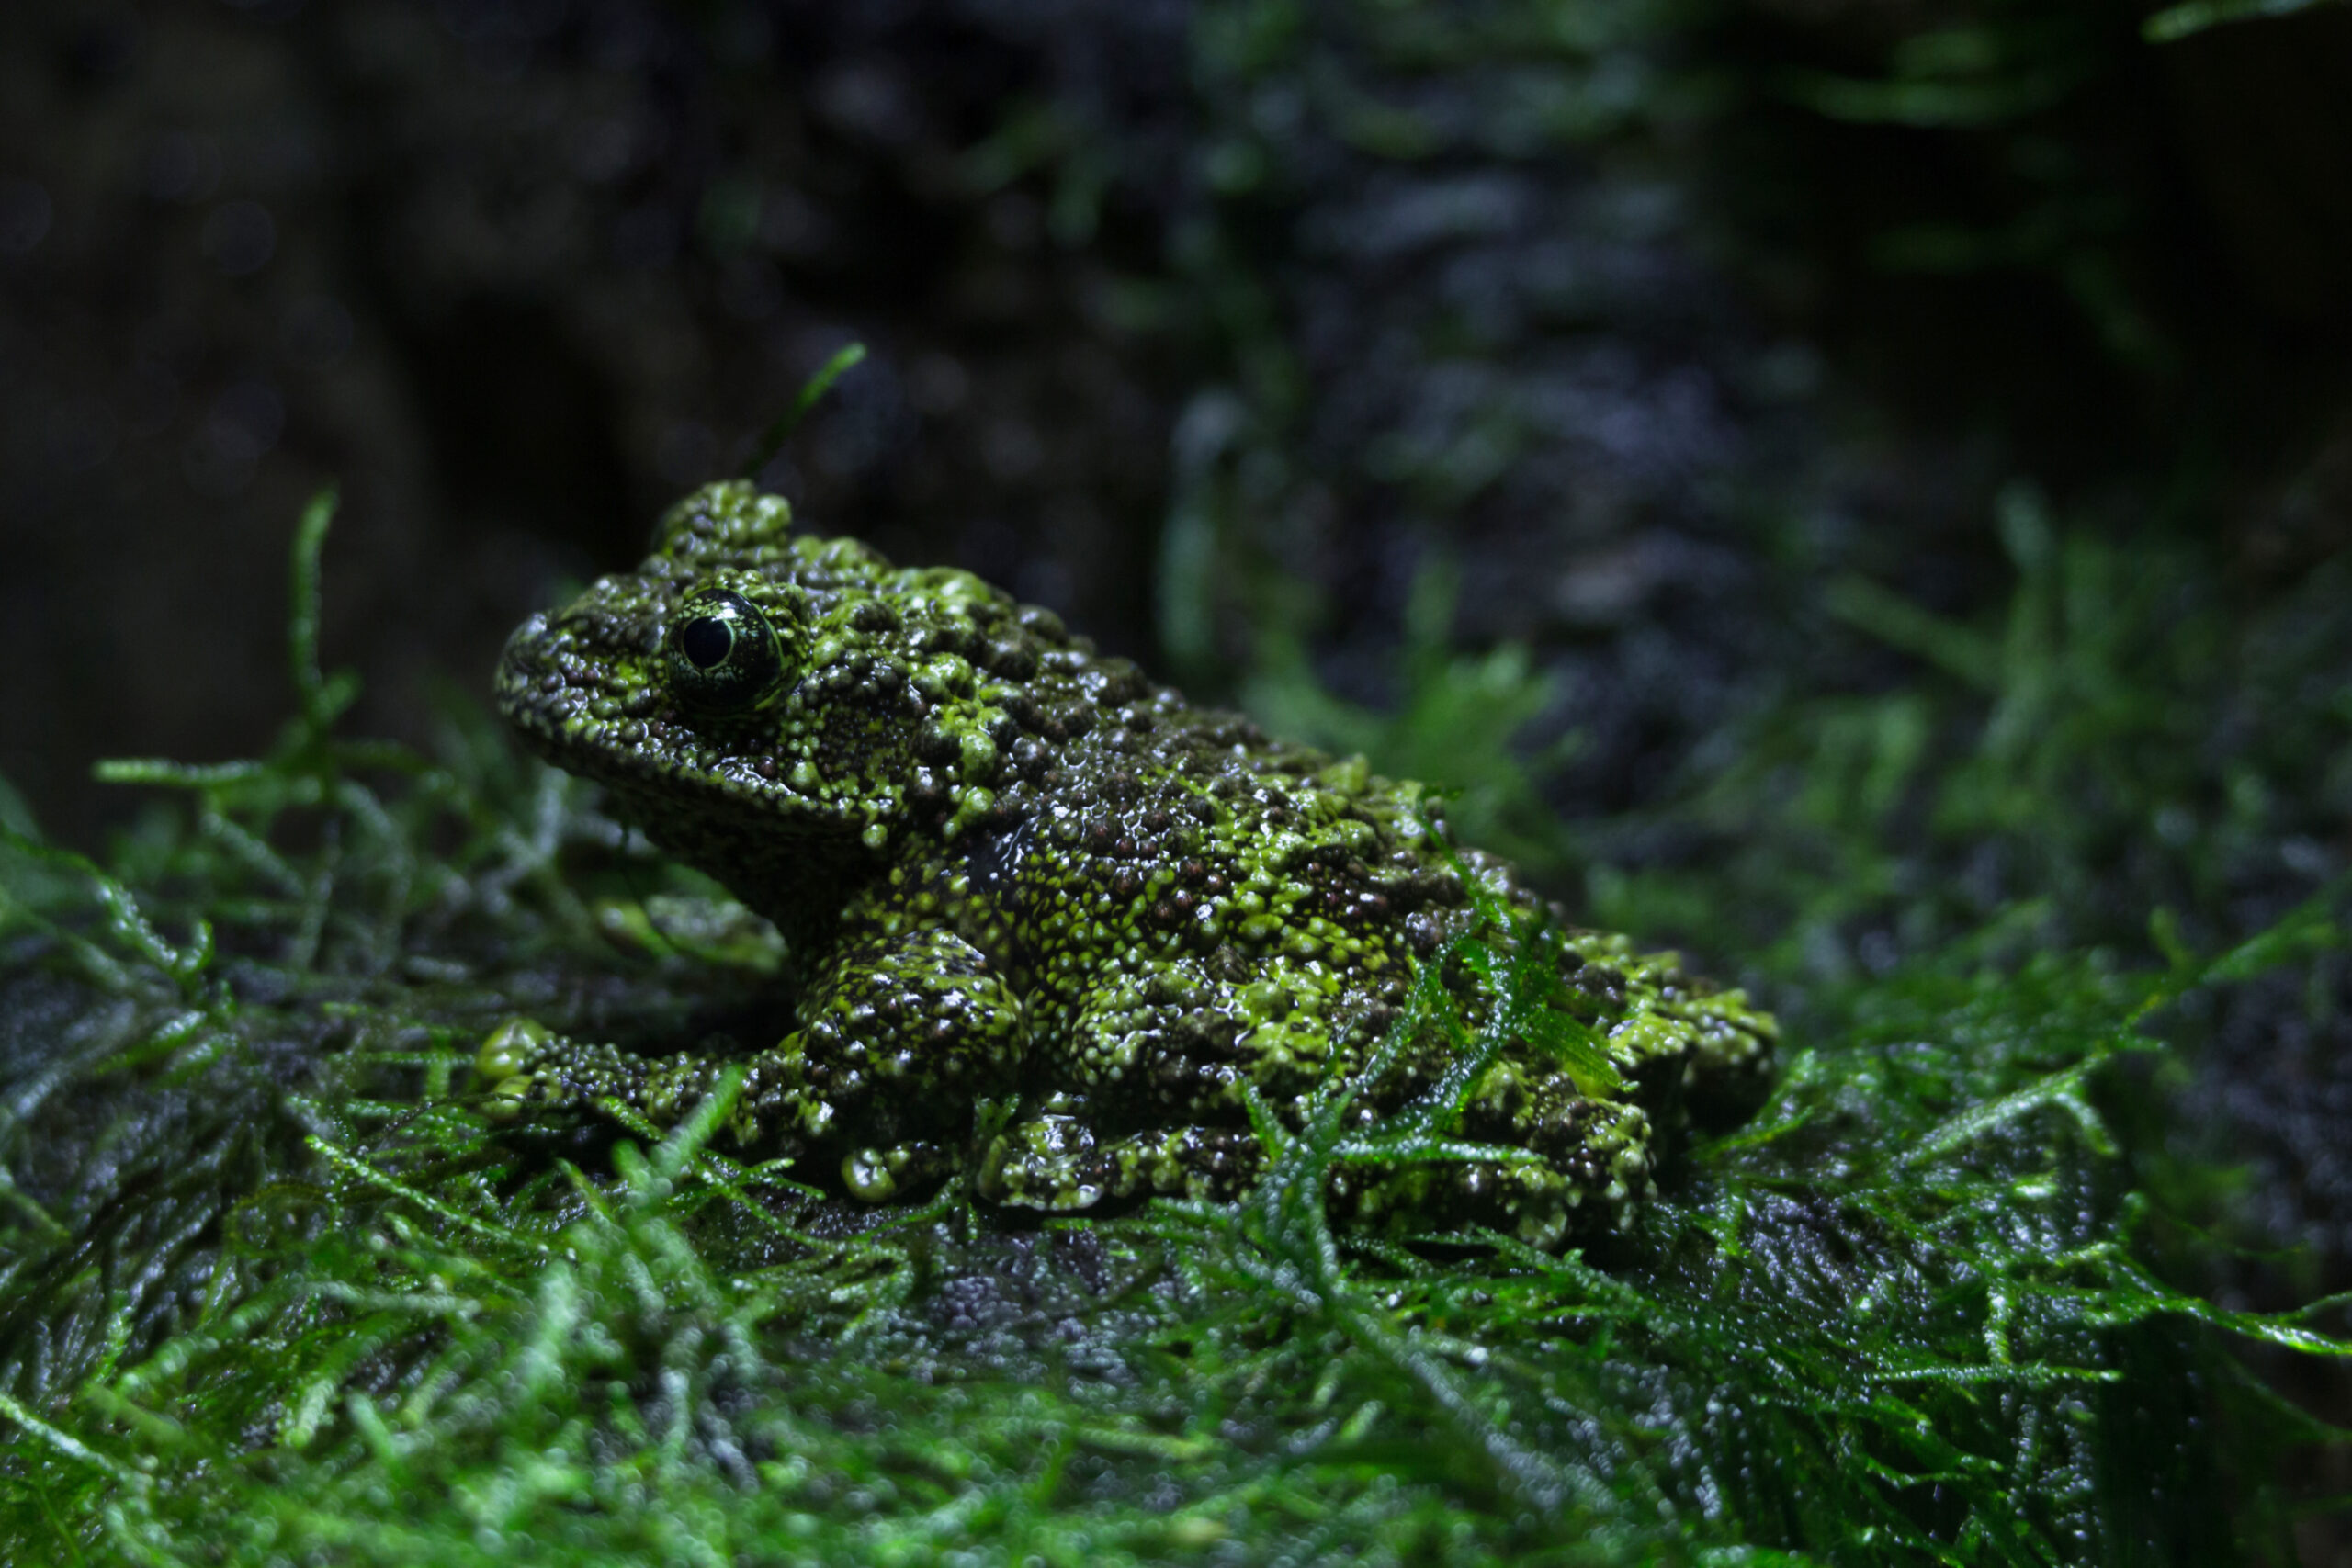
x=276, y=1292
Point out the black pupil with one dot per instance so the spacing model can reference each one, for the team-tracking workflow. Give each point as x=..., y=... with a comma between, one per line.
x=707, y=640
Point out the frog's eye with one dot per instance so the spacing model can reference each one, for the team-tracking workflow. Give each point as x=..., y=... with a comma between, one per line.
x=722, y=654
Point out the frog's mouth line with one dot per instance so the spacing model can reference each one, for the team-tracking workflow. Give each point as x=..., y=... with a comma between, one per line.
x=726, y=830
x=619, y=761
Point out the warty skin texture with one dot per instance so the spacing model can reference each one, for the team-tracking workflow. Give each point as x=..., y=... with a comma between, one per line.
x=1008, y=868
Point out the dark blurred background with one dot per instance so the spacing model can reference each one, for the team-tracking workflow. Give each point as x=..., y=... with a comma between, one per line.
x=1188, y=319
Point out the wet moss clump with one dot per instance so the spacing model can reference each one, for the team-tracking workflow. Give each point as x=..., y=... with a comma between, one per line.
x=276, y=1291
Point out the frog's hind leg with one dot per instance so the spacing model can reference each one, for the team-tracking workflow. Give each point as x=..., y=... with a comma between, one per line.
x=1055, y=1164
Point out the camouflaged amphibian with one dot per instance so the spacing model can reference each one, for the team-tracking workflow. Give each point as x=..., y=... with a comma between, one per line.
x=1008, y=867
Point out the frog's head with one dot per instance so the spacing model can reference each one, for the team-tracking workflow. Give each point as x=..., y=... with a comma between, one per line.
x=746, y=696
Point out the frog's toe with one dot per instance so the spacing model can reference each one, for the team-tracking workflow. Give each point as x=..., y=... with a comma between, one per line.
x=527, y=1067
x=512, y=1050
x=512, y=1098
x=505, y=1065
x=508, y=1099
x=877, y=1176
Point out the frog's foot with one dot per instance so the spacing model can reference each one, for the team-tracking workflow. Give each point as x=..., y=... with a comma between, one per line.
x=1543, y=1200
x=877, y=1176
x=1525, y=1199
x=527, y=1067
x=1056, y=1163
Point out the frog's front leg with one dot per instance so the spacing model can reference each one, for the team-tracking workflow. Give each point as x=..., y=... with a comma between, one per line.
x=897, y=1035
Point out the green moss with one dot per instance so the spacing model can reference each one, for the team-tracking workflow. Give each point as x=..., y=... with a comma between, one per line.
x=272, y=1292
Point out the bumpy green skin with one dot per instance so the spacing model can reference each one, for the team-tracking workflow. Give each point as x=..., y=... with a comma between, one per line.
x=1008, y=867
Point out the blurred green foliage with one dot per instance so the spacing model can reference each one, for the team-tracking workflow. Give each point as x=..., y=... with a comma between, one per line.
x=2181, y=21
x=1456, y=720
x=2118, y=741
